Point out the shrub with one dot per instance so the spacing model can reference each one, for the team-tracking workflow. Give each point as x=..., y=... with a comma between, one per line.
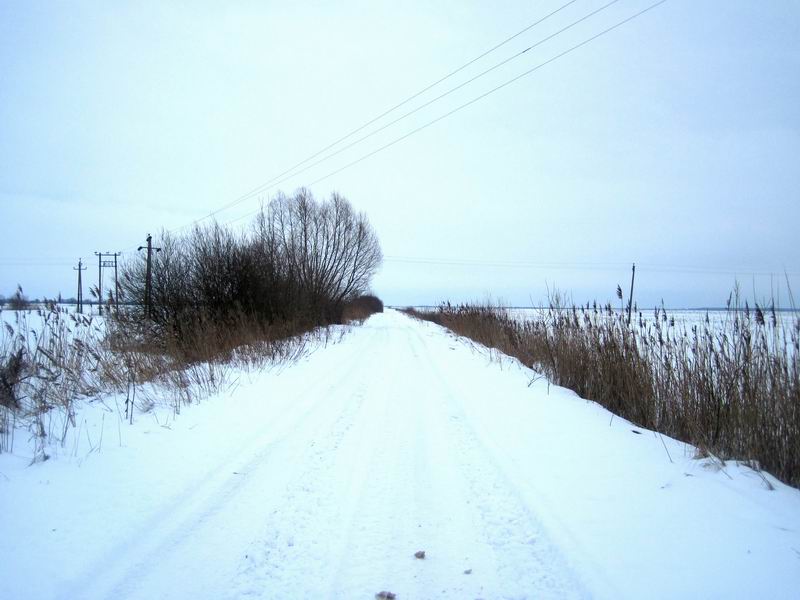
x=298, y=266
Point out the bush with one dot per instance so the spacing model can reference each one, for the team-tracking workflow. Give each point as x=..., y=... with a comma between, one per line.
x=298, y=266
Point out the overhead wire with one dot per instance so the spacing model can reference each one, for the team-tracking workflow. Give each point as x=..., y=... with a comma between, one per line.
x=34, y=264
x=360, y=128
x=278, y=180
x=474, y=100
x=274, y=182
x=443, y=116
x=580, y=266
x=585, y=266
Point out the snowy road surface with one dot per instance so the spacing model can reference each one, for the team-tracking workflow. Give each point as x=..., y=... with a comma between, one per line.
x=322, y=479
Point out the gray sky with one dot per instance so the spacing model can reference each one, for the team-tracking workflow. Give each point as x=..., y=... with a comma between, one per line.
x=672, y=141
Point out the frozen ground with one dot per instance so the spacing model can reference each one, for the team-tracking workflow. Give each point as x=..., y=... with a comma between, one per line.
x=322, y=479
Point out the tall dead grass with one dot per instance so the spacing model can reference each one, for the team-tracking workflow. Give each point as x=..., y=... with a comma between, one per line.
x=200, y=360
x=49, y=358
x=361, y=308
x=729, y=387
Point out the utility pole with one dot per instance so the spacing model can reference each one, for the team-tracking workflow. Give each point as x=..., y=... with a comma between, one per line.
x=630, y=298
x=99, y=281
x=116, y=281
x=148, y=279
x=80, y=268
x=101, y=264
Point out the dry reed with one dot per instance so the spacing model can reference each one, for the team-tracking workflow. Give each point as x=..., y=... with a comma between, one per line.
x=731, y=388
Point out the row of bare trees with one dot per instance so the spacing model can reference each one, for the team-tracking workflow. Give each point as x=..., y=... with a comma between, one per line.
x=301, y=260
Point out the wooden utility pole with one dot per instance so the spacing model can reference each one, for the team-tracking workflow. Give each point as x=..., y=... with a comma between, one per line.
x=116, y=281
x=630, y=298
x=99, y=282
x=148, y=278
x=79, y=269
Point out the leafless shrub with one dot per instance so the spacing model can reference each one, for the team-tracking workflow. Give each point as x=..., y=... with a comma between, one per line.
x=219, y=297
x=324, y=254
x=299, y=264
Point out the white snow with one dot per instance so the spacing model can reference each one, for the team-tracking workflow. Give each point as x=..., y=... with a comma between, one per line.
x=322, y=479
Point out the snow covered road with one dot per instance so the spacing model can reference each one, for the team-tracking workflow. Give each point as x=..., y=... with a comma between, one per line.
x=322, y=479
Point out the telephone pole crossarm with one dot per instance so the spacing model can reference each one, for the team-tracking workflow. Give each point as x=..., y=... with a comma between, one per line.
x=103, y=261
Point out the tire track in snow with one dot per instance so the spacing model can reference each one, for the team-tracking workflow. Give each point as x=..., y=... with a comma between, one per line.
x=360, y=470
x=299, y=530
x=125, y=570
x=355, y=524
x=406, y=473
x=381, y=513
x=288, y=533
x=526, y=563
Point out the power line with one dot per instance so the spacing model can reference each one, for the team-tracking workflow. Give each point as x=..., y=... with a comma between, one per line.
x=21, y=263
x=449, y=113
x=34, y=258
x=274, y=183
x=495, y=263
x=360, y=128
x=586, y=266
x=474, y=100
x=289, y=174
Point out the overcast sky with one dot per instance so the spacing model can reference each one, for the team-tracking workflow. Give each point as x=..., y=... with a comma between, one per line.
x=673, y=141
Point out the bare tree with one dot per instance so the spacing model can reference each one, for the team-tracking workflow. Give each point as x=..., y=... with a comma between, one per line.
x=329, y=249
x=301, y=260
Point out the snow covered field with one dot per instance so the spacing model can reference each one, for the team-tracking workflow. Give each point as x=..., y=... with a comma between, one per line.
x=323, y=478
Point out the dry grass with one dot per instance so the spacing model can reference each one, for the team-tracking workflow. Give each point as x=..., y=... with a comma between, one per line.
x=46, y=364
x=201, y=358
x=731, y=388
x=360, y=308
x=51, y=358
